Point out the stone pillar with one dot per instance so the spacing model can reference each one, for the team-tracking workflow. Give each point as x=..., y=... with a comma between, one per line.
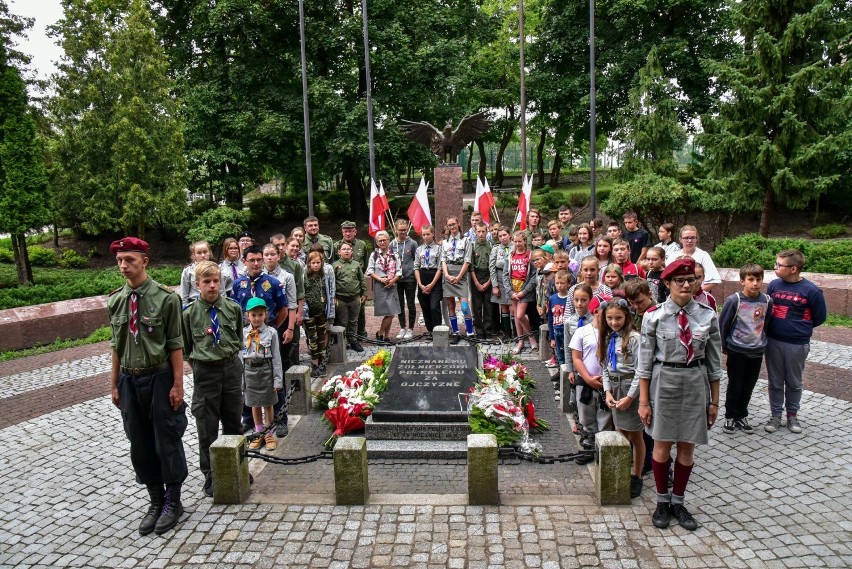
x=482, y=470
x=351, y=487
x=545, y=352
x=612, y=468
x=448, y=195
x=565, y=388
x=229, y=469
x=441, y=336
x=300, y=402
x=337, y=347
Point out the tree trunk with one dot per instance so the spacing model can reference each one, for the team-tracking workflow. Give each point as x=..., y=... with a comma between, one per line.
x=357, y=197
x=409, y=171
x=768, y=211
x=469, y=164
x=557, y=167
x=540, y=157
x=483, y=162
x=56, y=234
x=22, y=259
x=504, y=142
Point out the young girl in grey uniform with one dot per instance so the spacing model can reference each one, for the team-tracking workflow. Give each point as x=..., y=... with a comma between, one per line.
x=263, y=374
x=498, y=267
x=618, y=350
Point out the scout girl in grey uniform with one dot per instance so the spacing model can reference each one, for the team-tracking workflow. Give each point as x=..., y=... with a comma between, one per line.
x=498, y=267
x=618, y=349
x=456, y=252
x=199, y=251
x=385, y=269
x=679, y=370
x=263, y=375
x=427, y=273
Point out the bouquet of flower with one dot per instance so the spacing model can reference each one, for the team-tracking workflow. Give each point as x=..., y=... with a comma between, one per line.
x=349, y=398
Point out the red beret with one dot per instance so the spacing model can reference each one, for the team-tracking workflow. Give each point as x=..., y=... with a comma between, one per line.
x=129, y=245
x=679, y=268
x=597, y=300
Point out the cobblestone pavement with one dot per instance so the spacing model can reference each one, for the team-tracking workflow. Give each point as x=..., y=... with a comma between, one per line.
x=68, y=498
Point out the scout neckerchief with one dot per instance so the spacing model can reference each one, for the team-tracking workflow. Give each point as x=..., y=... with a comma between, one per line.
x=685, y=334
x=611, y=355
x=214, y=325
x=133, y=325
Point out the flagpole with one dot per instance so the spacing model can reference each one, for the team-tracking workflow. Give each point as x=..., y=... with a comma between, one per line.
x=369, y=92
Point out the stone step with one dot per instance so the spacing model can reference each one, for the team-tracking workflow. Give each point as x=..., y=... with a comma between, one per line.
x=416, y=449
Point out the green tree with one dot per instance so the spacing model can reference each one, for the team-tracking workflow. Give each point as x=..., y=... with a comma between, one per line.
x=781, y=131
x=23, y=182
x=118, y=162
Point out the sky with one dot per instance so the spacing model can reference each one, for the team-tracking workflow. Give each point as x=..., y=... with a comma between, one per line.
x=37, y=44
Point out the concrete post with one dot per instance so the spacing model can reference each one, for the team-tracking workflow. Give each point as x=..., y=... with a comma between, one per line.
x=229, y=470
x=565, y=388
x=300, y=402
x=441, y=337
x=351, y=487
x=545, y=352
x=612, y=468
x=482, y=470
x=337, y=347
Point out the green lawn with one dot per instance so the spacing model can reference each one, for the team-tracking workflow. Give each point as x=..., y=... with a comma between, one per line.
x=102, y=334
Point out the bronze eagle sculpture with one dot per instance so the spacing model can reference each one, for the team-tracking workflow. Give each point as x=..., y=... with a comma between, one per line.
x=448, y=143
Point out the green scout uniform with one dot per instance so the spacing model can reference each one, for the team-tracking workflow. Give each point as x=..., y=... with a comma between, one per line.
x=145, y=378
x=359, y=255
x=290, y=352
x=216, y=370
x=351, y=286
x=324, y=240
x=481, y=301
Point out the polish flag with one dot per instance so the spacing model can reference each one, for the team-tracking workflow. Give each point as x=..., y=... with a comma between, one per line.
x=418, y=212
x=524, y=203
x=378, y=207
x=484, y=200
x=383, y=197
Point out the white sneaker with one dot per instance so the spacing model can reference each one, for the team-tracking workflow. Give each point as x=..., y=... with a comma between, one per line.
x=551, y=363
x=408, y=334
x=401, y=334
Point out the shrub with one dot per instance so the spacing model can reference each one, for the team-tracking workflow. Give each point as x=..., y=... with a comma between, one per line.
x=71, y=259
x=577, y=200
x=215, y=225
x=551, y=202
x=6, y=256
x=337, y=204
x=295, y=205
x=655, y=199
x=825, y=257
x=198, y=207
x=267, y=208
x=41, y=256
x=829, y=231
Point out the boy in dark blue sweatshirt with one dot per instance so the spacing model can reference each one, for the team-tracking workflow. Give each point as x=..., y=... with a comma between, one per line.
x=798, y=306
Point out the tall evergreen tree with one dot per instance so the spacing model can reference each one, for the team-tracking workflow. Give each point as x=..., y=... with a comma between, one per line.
x=784, y=122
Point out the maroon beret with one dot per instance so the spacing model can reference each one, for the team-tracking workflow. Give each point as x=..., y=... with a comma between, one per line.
x=679, y=268
x=597, y=300
x=129, y=245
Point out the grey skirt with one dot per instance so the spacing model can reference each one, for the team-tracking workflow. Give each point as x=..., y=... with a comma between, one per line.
x=679, y=398
x=505, y=289
x=258, y=383
x=627, y=420
x=385, y=300
x=460, y=289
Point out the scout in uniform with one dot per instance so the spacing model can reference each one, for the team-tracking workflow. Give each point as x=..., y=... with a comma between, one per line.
x=456, y=253
x=313, y=236
x=350, y=293
x=427, y=264
x=359, y=255
x=501, y=285
x=147, y=382
x=290, y=263
x=679, y=369
x=212, y=332
x=480, y=280
x=263, y=376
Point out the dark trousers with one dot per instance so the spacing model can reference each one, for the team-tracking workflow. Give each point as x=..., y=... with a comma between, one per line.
x=559, y=337
x=346, y=315
x=495, y=319
x=535, y=318
x=430, y=304
x=154, y=429
x=742, y=377
x=481, y=305
x=406, y=290
x=217, y=396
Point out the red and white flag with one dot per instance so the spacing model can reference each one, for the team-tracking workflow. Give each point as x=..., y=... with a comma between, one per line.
x=378, y=207
x=419, y=213
x=484, y=200
x=383, y=197
x=524, y=203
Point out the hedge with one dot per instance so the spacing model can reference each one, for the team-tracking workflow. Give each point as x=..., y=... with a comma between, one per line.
x=820, y=257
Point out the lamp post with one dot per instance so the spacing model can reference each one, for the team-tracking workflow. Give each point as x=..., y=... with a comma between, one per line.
x=305, y=112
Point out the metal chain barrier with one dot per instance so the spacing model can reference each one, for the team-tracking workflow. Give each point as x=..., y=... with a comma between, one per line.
x=582, y=457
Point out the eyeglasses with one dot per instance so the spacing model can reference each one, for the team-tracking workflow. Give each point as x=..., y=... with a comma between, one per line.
x=680, y=281
x=693, y=238
x=779, y=265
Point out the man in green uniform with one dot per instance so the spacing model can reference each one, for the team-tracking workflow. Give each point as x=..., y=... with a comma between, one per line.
x=212, y=331
x=359, y=255
x=480, y=282
x=313, y=236
x=147, y=382
x=350, y=293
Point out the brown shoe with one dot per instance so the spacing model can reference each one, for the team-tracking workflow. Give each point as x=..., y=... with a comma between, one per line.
x=271, y=443
x=256, y=443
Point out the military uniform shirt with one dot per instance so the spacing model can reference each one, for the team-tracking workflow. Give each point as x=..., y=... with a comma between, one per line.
x=480, y=257
x=159, y=324
x=359, y=251
x=296, y=269
x=199, y=344
x=324, y=240
x=349, y=278
x=427, y=257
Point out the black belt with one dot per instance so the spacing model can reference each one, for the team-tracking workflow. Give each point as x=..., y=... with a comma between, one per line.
x=257, y=362
x=693, y=363
x=145, y=370
x=217, y=363
x=454, y=262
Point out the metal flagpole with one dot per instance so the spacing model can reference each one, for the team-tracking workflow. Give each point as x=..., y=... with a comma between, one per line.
x=305, y=112
x=523, y=93
x=592, y=125
x=369, y=91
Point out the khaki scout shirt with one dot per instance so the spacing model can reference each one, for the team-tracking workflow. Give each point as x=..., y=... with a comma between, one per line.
x=324, y=240
x=481, y=256
x=349, y=278
x=295, y=268
x=660, y=340
x=198, y=342
x=158, y=320
x=359, y=252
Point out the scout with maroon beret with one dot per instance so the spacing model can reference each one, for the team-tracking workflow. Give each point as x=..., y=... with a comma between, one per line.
x=147, y=381
x=679, y=369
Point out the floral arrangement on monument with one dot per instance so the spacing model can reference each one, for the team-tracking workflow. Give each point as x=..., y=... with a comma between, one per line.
x=349, y=398
x=500, y=403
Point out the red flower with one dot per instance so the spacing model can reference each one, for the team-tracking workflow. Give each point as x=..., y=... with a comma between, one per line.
x=529, y=411
x=343, y=422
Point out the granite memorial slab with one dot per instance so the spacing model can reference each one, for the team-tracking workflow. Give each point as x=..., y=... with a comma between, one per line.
x=428, y=385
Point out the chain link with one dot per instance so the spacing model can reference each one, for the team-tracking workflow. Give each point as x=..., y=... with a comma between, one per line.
x=325, y=455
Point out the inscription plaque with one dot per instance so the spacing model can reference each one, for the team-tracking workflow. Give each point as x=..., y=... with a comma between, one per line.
x=428, y=384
